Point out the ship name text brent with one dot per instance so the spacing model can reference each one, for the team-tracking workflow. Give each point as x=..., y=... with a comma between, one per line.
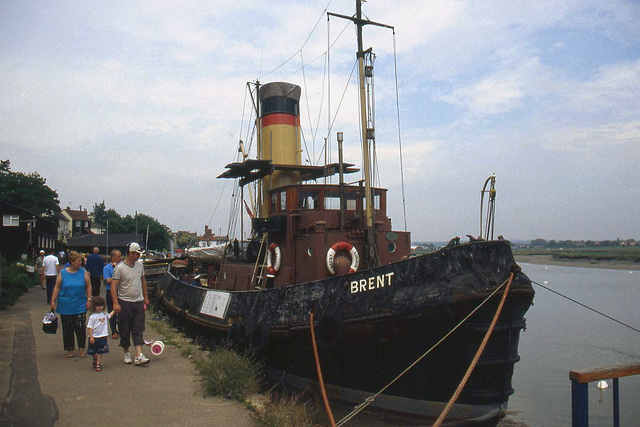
x=371, y=283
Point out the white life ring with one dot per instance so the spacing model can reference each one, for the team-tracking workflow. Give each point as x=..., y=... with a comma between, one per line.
x=343, y=246
x=273, y=267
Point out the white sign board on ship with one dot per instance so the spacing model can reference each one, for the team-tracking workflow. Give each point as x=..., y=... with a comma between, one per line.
x=215, y=304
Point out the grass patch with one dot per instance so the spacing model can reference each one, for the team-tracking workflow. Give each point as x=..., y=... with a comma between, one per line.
x=227, y=373
x=14, y=282
x=224, y=372
x=284, y=411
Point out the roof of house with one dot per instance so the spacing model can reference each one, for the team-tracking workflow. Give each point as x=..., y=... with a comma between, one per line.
x=81, y=215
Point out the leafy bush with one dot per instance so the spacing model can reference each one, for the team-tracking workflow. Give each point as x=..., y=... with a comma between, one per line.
x=14, y=282
x=283, y=411
x=227, y=373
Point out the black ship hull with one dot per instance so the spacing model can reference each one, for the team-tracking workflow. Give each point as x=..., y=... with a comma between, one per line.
x=372, y=324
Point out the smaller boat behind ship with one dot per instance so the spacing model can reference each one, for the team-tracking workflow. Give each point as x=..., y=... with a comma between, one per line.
x=330, y=250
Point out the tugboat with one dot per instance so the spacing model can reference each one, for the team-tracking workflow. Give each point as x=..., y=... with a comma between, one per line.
x=324, y=256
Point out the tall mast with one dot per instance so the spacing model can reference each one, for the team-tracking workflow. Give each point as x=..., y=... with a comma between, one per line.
x=363, y=119
x=367, y=134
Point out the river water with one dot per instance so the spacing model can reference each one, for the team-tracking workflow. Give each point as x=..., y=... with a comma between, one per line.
x=562, y=336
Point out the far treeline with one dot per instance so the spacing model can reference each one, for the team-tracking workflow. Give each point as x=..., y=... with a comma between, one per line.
x=542, y=243
x=605, y=250
x=31, y=192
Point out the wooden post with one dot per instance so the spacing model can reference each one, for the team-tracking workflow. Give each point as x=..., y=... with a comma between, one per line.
x=579, y=404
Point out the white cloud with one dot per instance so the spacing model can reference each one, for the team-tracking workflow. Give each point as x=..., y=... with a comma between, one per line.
x=503, y=91
x=484, y=87
x=581, y=138
x=616, y=88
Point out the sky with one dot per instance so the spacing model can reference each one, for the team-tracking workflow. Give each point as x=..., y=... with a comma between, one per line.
x=142, y=104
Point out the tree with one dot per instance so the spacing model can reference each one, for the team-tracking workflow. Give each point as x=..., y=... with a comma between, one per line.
x=28, y=191
x=538, y=243
x=100, y=213
x=159, y=234
x=185, y=239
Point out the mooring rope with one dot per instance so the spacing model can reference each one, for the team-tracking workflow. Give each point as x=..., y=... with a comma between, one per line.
x=370, y=399
x=474, y=362
x=587, y=307
x=315, y=354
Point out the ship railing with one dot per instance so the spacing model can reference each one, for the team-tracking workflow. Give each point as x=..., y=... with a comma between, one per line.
x=580, y=392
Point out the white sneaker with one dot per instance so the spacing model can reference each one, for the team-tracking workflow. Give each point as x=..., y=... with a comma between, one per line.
x=141, y=360
x=127, y=358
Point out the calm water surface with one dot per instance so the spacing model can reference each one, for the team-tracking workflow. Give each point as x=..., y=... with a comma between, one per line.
x=562, y=336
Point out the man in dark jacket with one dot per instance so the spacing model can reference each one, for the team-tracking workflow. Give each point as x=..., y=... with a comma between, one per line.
x=94, y=267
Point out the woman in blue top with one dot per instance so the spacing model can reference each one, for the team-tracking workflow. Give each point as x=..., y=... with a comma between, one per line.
x=73, y=294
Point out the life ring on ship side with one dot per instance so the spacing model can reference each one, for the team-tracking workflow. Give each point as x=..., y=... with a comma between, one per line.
x=343, y=246
x=329, y=331
x=258, y=338
x=273, y=267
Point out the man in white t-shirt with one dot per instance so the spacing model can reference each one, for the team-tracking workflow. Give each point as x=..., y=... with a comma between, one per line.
x=129, y=294
x=50, y=270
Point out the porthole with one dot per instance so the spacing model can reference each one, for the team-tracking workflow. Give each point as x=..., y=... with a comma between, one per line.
x=310, y=251
x=391, y=247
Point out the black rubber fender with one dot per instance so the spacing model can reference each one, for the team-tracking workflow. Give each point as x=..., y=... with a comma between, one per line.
x=329, y=331
x=236, y=335
x=258, y=338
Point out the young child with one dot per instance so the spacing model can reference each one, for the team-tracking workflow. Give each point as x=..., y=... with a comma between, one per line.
x=97, y=330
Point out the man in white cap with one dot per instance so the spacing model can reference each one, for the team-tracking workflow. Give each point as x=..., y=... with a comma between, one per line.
x=129, y=294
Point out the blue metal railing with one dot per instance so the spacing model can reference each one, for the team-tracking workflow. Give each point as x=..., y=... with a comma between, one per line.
x=580, y=392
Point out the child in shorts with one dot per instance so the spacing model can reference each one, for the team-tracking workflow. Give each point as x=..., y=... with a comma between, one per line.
x=98, y=331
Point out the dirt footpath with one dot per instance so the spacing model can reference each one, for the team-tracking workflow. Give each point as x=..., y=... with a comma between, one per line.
x=40, y=386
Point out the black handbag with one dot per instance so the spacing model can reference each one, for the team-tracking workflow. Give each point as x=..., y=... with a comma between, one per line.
x=50, y=323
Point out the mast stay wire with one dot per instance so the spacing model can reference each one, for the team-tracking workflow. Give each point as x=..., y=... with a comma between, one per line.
x=587, y=307
x=306, y=97
x=235, y=212
x=315, y=133
x=328, y=84
x=326, y=72
x=317, y=57
x=224, y=186
x=395, y=68
x=355, y=63
x=301, y=47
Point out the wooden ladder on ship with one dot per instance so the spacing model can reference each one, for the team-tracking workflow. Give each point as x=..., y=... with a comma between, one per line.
x=259, y=265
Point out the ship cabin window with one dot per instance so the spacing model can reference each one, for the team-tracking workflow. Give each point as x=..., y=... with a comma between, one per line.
x=278, y=201
x=332, y=200
x=308, y=199
x=376, y=201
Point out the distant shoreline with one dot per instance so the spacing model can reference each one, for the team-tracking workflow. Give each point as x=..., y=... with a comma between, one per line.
x=583, y=263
